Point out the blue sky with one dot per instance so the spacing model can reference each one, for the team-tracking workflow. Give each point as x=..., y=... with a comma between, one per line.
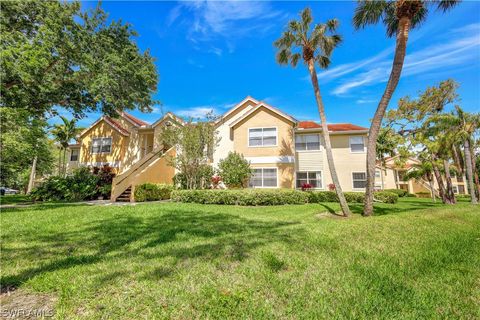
x=210, y=55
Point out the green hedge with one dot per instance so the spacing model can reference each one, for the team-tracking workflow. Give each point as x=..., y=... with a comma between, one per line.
x=152, y=192
x=386, y=196
x=242, y=197
x=259, y=197
x=400, y=192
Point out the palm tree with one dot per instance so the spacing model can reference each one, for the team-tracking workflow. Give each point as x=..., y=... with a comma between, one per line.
x=398, y=17
x=462, y=126
x=313, y=45
x=423, y=171
x=63, y=133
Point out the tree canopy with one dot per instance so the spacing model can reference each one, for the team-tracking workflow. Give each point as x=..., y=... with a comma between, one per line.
x=54, y=54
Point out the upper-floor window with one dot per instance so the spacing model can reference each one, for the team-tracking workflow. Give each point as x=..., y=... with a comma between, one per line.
x=101, y=145
x=307, y=142
x=359, y=180
x=74, y=155
x=263, y=178
x=357, y=144
x=378, y=174
x=262, y=137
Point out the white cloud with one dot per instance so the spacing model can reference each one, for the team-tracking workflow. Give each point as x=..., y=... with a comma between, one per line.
x=225, y=20
x=196, y=112
x=364, y=101
x=448, y=54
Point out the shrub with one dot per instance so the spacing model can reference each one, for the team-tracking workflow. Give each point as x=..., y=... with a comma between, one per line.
x=322, y=196
x=399, y=192
x=386, y=196
x=82, y=184
x=234, y=170
x=249, y=197
x=423, y=195
x=152, y=192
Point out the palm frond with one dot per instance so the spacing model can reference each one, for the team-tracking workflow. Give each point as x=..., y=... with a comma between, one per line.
x=446, y=5
x=283, y=56
x=368, y=12
x=332, y=24
x=323, y=61
x=306, y=15
x=294, y=58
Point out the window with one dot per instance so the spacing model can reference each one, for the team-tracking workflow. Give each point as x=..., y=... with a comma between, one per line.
x=307, y=142
x=461, y=189
x=313, y=178
x=74, y=155
x=357, y=144
x=455, y=189
x=359, y=180
x=378, y=174
x=262, y=137
x=101, y=145
x=264, y=178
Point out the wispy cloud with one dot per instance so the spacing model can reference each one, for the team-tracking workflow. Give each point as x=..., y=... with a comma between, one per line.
x=445, y=55
x=228, y=21
x=196, y=112
x=365, y=101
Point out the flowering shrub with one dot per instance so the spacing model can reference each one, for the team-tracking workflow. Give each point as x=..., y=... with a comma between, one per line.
x=215, y=181
x=331, y=187
x=306, y=186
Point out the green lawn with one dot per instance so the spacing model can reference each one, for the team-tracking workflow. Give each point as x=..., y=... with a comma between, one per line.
x=413, y=260
x=14, y=199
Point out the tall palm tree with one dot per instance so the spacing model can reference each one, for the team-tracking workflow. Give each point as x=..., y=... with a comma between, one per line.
x=63, y=133
x=398, y=17
x=313, y=45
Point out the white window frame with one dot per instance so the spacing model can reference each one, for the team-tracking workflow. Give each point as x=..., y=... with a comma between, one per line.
x=455, y=189
x=101, y=145
x=263, y=187
x=263, y=146
x=350, y=144
x=78, y=155
x=307, y=172
x=353, y=180
x=307, y=150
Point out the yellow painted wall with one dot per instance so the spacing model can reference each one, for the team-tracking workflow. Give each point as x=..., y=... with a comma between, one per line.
x=103, y=129
x=263, y=117
x=157, y=172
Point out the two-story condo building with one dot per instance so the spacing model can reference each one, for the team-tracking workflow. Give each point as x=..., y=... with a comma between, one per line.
x=283, y=152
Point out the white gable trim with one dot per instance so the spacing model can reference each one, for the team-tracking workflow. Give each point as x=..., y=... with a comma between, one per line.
x=97, y=122
x=266, y=106
x=235, y=107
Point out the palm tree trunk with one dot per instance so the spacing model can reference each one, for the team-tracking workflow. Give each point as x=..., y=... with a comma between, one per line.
x=64, y=161
x=400, y=52
x=32, y=175
x=448, y=179
x=468, y=164
x=326, y=138
x=475, y=172
x=432, y=188
x=438, y=177
x=59, y=170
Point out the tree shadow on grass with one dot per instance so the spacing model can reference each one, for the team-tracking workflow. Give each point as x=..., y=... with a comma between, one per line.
x=197, y=234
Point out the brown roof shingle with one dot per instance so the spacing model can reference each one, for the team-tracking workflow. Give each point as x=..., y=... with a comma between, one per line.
x=336, y=127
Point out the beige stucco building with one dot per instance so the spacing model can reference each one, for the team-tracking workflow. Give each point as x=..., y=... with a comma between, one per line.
x=283, y=152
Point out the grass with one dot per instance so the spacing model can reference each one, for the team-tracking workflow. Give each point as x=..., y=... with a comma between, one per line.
x=14, y=199
x=412, y=260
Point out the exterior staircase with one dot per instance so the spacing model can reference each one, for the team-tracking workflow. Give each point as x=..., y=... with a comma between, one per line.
x=125, y=196
x=153, y=168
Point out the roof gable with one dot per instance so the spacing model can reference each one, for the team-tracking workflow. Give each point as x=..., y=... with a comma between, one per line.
x=266, y=106
x=111, y=122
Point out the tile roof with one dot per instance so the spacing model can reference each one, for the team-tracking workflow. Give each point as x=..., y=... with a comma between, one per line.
x=335, y=127
x=117, y=126
x=135, y=120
